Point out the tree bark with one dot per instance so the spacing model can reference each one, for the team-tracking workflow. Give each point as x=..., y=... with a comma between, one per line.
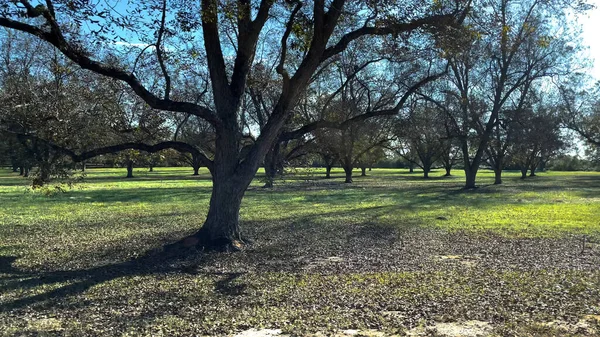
x=411, y=169
x=129, y=169
x=348, y=171
x=471, y=176
x=498, y=166
x=21, y=170
x=523, y=172
x=497, y=176
x=83, y=166
x=532, y=169
x=26, y=172
x=270, y=168
x=196, y=164
x=151, y=168
x=448, y=170
x=363, y=172
x=221, y=230
x=426, y=169
x=328, y=171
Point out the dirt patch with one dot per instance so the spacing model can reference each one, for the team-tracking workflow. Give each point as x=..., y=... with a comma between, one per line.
x=464, y=329
x=259, y=333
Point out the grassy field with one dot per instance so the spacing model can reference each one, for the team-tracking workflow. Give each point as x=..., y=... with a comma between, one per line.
x=390, y=254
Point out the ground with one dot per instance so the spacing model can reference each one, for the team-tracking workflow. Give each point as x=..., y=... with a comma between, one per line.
x=391, y=254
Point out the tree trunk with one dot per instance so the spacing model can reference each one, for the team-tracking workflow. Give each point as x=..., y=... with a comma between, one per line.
x=348, y=171
x=21, y=170
x=196, y=165
x=129, y=169
x=471, y=176
x=532, y=170
x=328, y=171
x=523, y=172
x=497, y=176
x=363, y=172
x=542, y=165
x=83, y=166
x=411, y=168
x=448, y=169
x=15, y=168
x=151, y=168
x=26, y=172
x=271, y=160
x=498, y=166
x=221, y=230
x=426, y=170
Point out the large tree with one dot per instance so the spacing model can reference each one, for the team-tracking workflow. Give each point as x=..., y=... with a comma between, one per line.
x=221, y=39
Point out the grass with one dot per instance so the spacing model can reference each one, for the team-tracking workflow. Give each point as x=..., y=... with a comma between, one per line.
x=391, y=252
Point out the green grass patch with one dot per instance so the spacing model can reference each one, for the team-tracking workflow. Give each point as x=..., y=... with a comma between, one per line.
x=391, y=251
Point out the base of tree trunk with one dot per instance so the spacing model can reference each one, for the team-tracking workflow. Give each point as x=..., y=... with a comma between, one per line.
x=199, y=242
x=268, y=184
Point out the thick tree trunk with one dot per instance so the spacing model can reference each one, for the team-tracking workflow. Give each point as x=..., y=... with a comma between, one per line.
x=328, y=171
x=83, y=166
x=221, y=230
x=129, y=169
x=348, y=171
x=26, y=172
x=21, y=170
x=523, y=172
x=411, y=169
x=497, y=176
x=363, y=172
x=426, y=170
x=448, y=170
x=471, y=176
x=151, y=168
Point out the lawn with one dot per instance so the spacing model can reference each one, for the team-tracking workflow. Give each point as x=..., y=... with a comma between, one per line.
x=390, y=254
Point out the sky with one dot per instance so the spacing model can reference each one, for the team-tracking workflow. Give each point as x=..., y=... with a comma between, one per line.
x=591, y=35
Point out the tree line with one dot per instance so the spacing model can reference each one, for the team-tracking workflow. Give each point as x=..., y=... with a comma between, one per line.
x=235, y=85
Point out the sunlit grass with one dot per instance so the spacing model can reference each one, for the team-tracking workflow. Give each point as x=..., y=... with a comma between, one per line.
x=108, y=219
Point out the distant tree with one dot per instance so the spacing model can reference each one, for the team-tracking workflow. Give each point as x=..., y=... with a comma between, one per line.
x=506, y=47
x=422, y=137
x=580, y=107
x=537, y=138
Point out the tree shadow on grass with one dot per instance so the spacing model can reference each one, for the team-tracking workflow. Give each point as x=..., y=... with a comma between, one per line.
x=70, y=283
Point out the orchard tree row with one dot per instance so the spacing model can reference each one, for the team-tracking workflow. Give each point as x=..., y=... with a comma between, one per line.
x=235, y=85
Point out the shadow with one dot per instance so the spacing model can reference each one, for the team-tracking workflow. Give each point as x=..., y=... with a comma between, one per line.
x=6, y=265
x=227, y=287
x=70, y=283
